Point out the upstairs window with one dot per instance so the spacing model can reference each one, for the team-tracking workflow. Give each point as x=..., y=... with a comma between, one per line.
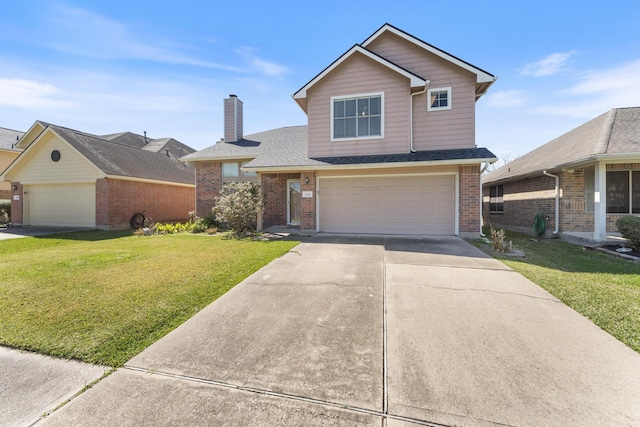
x=496, y=202
x=439, y=99
x=357, y=116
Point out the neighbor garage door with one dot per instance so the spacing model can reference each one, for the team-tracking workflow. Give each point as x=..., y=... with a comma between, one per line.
x=69, y=205
x=389, y=205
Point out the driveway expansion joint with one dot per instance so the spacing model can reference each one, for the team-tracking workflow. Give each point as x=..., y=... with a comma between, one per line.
x=264, y=392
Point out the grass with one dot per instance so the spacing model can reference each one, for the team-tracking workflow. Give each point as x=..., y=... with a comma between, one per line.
x=102, y=297
x=601, y=287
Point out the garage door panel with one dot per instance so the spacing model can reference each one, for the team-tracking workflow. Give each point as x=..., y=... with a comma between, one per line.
x=392, y=204
x=65, y=205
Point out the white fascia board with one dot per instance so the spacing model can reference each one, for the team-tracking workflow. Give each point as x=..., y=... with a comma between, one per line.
x=216, y=158
x=415, y=81
x=481, y=76
x=370, y=165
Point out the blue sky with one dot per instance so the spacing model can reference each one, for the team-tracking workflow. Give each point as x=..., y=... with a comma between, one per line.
x=164, y=67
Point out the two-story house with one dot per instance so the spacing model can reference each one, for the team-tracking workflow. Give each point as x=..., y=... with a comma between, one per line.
x=389, y=146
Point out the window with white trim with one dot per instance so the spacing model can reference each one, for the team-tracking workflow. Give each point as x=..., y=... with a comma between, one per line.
x=439, y=99
x=623, y=192
x=357, y=116
x=496, y=201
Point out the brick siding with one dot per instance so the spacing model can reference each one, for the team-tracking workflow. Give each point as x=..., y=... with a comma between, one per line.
x=308, y=205
x=274, y=192
x=208, y=186
x=469, y=199
x=16, y=205
x=117, y=201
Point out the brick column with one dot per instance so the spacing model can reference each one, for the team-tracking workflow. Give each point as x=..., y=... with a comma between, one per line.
x=308, y=205
x=469, y=200
x=17, y=205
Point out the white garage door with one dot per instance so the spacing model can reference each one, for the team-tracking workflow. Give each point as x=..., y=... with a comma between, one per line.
x=68, y=205
x=388, y=205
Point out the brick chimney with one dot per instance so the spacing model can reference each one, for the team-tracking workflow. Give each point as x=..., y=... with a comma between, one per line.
x=232, y=119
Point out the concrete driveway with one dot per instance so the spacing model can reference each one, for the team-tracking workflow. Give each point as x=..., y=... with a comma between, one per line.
x=375, y=331
x=18, y=232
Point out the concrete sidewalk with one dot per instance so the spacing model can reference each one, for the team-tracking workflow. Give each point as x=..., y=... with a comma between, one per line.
x=29, y=231
x=361, y=331
x=32, y=385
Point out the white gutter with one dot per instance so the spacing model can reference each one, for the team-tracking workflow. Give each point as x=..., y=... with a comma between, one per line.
x=411, y=149
x=486, y=165
x=557, y=215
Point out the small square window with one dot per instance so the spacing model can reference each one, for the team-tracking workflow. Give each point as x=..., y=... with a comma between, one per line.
x=439, y=99
x=230, y=170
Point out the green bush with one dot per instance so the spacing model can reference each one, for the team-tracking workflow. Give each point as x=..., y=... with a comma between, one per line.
x=5, y=208
x=201, y=225
x=629, y=227
x=239, y=206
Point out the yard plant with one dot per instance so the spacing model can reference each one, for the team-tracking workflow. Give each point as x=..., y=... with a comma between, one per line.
x=601, y=287
x=102, y=297
x=239, y=205
x=629, y=227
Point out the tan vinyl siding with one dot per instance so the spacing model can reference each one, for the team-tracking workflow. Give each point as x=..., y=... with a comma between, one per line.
x=434, y=130
x=359, y=75
x=6, y=157
x=36, y=167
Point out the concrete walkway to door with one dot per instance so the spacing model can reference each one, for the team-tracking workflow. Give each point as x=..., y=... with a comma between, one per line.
x=366, y=330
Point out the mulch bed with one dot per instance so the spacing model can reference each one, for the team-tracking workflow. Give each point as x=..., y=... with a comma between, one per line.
x=631, y=255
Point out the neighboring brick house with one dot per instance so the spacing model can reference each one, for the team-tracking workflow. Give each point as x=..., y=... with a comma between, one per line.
x=597, y=166
x=8, y=153
x=389, y=146
x=69, y=178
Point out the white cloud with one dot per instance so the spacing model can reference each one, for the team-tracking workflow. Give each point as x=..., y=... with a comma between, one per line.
x=30, y=94
x=263, y=66
x=547, y=66
x=85, y=33
x=599, y=91
x=506, y=99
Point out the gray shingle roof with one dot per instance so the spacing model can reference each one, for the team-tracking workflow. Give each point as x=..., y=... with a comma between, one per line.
x=115, y=158
x=8, y=138
x=616, y=132
x=287, y=147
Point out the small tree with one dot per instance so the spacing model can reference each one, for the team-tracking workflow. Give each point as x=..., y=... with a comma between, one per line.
x=629, y=227
x=238, y=206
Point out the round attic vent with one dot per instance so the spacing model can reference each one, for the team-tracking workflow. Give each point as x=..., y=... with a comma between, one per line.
x=55, y=155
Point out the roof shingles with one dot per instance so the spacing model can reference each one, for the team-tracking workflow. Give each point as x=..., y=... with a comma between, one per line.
x=615, y=132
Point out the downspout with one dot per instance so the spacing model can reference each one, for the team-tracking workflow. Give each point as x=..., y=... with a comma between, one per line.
x=484, y=168
x=411, y=149
x=557, y=215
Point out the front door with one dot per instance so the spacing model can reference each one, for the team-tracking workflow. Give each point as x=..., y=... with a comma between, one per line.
x=293, y=202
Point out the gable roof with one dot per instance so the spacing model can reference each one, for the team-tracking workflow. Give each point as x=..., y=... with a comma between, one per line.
x=414, y=80
x=483, y=78
x=612, y=135
x=9, y=138
x=118, y=159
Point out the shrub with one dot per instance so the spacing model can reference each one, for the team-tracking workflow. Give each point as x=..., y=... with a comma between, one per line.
x=498, y=243
x=5, y=209
x=238, y=206
x=629, y=227
x=201, y=225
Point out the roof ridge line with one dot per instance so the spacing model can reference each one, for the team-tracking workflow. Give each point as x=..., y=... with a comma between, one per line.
x=602, y=144
x=97, y=136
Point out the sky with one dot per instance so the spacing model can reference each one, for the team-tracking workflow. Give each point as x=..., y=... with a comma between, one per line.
x=164, y=66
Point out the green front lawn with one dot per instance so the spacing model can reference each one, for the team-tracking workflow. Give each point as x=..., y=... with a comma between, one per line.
x=601, y=287
x=102, y=297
